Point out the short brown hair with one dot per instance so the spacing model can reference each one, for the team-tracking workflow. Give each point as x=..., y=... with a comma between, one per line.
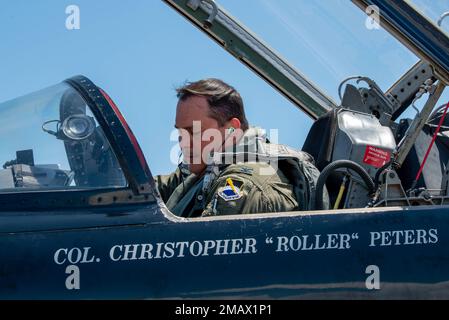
x=224, y=101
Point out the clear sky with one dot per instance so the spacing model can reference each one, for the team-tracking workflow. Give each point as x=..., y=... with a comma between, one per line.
x=140, y=50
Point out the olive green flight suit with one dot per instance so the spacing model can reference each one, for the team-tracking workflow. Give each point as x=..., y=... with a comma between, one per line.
x=250, y=192
x=247, y=185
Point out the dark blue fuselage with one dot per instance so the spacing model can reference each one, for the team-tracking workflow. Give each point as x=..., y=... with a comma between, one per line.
x=135, y=252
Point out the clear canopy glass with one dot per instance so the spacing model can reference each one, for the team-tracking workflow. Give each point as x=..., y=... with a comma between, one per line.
x=329, y=41
x=51, y=140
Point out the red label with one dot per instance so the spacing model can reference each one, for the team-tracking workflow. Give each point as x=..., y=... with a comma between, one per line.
x=376, y=157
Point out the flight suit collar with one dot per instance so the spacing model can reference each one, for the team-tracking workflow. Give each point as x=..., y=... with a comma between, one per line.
x=184, y=194
x=252, y=142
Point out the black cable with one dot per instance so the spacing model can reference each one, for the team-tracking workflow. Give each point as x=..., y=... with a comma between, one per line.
x=378, y=173
x=343, y=82
x=51, y=131
x=337, y=165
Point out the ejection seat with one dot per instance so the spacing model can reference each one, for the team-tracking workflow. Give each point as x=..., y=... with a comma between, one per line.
x=351, y=143
x=320, y=140
x=319, y=144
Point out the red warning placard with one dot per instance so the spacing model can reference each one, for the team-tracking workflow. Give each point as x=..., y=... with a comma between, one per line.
x=376, y=157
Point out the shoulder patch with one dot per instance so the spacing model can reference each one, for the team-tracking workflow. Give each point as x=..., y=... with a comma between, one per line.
x=231, y=191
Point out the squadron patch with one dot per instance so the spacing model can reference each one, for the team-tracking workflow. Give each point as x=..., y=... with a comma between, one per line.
x=231, y=191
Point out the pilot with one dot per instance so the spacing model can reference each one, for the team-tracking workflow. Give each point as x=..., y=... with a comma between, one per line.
x=229, y=167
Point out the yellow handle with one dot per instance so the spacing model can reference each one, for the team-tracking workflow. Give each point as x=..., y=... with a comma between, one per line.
x=229, y=181
x=340, y=193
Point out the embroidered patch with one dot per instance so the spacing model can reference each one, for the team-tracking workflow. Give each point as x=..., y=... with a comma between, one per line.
x=230, y=192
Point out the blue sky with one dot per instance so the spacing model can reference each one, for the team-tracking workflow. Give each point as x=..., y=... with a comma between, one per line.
x=140, y=50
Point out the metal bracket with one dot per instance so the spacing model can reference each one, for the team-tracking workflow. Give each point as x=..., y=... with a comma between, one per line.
x=403, y=91
x=194, y=5
x=392, y=188
x=368, y=100
x=418, y=123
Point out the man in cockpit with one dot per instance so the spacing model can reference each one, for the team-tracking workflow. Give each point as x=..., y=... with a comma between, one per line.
x=229, y=168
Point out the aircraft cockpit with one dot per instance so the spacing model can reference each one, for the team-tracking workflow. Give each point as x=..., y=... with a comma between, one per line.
x=375, y=147
x=81, y=215
x=380, y=132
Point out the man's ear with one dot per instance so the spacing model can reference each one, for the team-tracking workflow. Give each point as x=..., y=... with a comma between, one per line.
x=233, y=132
x=234, y=123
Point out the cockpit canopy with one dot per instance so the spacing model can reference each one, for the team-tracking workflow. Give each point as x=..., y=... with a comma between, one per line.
x=52, y=140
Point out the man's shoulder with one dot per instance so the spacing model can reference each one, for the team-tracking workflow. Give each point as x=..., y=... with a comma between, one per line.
x=250, y=187
x=256, y=172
